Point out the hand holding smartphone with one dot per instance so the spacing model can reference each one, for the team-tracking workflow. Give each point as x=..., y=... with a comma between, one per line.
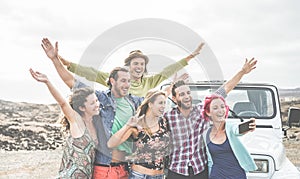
x=245, y=127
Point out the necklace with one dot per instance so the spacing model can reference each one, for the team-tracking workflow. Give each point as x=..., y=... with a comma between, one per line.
x=149, y=128
x=216, y=133
x=155, y=121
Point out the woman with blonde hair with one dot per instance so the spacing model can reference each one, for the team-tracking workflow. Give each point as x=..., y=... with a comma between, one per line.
x=150, y=132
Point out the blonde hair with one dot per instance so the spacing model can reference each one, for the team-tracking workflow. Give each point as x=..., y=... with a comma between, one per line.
x=144, y=107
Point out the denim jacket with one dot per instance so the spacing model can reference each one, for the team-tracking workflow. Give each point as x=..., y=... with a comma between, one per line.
x=104, y=122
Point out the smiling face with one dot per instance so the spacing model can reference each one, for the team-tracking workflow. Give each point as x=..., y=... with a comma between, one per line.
x=91, y=106
x=158, y=106
x=121, y=84
x=183, y=97
x=217, y=110
x=137, y=68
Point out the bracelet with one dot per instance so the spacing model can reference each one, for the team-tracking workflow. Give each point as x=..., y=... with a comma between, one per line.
x=192, y=56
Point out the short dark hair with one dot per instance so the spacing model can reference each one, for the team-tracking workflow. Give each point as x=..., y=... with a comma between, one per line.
x=176, y=85
x=114, y=74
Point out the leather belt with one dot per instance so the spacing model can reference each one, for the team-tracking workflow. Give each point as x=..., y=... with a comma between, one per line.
x=111, y=164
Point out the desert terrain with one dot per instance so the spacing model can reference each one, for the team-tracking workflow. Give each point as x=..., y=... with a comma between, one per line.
x=31, y=140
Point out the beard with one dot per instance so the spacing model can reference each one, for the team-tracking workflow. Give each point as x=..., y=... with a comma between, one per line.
x=184, y=106
x=120, y=92
x=136, y=75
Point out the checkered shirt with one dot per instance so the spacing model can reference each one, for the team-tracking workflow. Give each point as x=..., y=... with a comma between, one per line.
x=188, y=148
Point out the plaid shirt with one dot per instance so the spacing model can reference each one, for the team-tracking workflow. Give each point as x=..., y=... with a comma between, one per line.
x=188, y=148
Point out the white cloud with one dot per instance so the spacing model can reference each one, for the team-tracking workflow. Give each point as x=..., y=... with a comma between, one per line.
x=234, y=30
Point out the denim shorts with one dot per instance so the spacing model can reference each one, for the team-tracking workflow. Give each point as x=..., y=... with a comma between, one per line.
x=136, y=175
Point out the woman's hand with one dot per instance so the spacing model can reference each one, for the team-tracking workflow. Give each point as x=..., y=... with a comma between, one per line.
x=252, y=125
x=134, y=121
x=40, y=77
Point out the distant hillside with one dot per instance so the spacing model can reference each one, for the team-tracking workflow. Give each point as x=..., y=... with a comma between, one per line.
x=289, y=93
x=27, y=126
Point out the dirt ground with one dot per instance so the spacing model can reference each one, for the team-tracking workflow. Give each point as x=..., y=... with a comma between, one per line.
x=30, y=141
x=30, y=164
x=292, y=146
x=45, y=163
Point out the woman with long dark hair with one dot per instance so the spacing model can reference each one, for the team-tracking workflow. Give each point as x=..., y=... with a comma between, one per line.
x=79, y=150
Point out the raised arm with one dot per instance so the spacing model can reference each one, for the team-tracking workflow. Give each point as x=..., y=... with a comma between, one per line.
x=195, y=53
x=89, y=73
x=65, y=106
x=173, y=68
x=52, y=53
x=248, y=66
x=65, y=62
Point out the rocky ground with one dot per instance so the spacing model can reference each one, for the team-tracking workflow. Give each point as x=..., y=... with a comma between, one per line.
x=31, y=140
x=25, y=126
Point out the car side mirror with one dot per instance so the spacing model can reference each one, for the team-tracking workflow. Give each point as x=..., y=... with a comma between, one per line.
x=294, y=117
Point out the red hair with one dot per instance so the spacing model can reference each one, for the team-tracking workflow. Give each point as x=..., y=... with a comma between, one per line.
x=206, y=106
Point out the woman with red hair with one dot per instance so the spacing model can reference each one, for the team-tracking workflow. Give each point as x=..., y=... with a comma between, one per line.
x=227, y=156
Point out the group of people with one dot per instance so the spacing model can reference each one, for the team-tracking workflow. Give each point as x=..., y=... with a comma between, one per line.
x=125, y=132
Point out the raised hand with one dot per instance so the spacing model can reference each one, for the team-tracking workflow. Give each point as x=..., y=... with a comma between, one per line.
x=134, y=121
x=249, y=65
x=198, y=49
x=184, y=77
x=50, y=51
x=40, y=77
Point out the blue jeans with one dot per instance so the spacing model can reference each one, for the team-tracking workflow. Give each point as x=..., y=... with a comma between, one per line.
x=137, y=175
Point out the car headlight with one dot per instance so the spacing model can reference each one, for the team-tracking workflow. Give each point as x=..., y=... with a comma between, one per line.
x=262, y=166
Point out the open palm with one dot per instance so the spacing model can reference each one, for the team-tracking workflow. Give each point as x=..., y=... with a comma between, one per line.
x=50, y=51
x=38, y=76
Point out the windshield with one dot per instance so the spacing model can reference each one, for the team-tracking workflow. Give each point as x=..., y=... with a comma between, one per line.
x=246, y=102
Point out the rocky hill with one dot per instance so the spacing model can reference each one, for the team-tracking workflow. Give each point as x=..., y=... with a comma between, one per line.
x=26, y=126
x=289, y=92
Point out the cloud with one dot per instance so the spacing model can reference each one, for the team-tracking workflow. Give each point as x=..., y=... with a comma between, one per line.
x=233, y=30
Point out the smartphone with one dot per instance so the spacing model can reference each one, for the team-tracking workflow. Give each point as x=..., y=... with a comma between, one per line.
x=244, y=127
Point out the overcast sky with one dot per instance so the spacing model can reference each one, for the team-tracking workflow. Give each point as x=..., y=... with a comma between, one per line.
x=233, y=30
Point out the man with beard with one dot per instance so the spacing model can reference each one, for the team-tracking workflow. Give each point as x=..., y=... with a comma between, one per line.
x=137, y=63
x=188, y=156
x=116, y=107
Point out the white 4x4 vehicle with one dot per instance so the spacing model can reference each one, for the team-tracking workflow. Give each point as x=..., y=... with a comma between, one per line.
x=260, y=101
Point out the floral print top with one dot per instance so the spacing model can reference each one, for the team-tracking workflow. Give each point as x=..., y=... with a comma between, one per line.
x=151, y=150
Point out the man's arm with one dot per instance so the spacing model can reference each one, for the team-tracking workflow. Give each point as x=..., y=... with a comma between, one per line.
x=173, y=68
x=248, y=66
x=195, y=53
x=52, y=53
x=229, y=85
x=89, y=73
